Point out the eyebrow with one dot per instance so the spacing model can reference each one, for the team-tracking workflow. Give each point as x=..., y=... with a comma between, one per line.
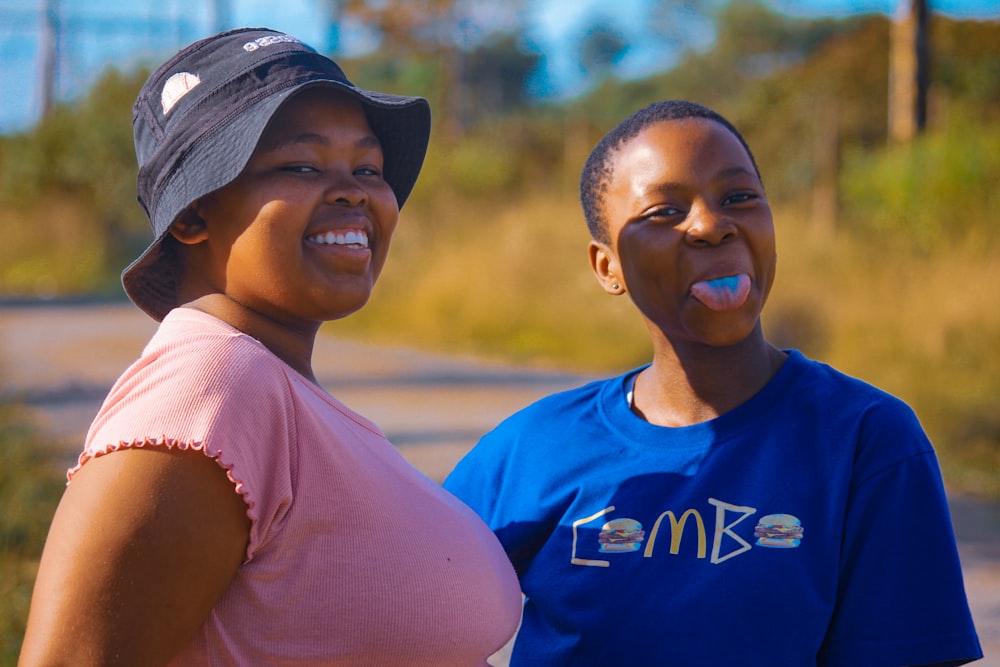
x=367, y=141
x=736, y=171
x=728, y=172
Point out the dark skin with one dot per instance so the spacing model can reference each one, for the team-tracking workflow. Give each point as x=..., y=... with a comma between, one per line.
x=687, y=215
x=146, y=540
x=250, y=250
x=685, y=206
x=128, y=583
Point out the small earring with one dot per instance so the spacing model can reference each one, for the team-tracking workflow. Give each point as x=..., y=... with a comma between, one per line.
x=614, y=286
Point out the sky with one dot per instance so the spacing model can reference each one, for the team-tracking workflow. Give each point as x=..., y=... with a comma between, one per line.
x=124, y=32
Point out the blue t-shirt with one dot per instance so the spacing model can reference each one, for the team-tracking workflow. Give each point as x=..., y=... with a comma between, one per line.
x=808, y=526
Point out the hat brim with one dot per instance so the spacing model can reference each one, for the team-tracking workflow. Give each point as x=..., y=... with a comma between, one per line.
x=402, y=125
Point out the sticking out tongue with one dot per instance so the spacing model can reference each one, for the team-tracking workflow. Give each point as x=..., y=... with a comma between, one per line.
x=722, y=294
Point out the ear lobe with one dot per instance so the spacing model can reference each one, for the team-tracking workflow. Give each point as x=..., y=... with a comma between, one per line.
x=189, y=228
x=604, y=263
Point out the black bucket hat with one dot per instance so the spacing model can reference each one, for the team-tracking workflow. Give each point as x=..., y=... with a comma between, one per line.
x=198, y=119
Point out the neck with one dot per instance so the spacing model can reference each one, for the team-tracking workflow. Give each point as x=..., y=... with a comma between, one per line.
x=689, y=384
x=293, y=344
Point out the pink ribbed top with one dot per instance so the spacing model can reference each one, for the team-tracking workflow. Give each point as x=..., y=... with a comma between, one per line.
x=355, y=558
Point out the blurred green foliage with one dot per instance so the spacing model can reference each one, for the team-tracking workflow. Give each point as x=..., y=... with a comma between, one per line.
x=936, y=190
x=490, y=256
x=67, y=190
x=30, y=487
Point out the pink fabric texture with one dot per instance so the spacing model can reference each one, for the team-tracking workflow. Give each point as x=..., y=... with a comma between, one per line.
x=355, y=558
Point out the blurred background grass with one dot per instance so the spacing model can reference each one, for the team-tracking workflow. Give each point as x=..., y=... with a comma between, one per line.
x=30, y=486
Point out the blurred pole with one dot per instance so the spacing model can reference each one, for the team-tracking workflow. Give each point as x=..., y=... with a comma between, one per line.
x=221, y=15
x=452, y=62
x=909, y=70
x=333, y=11
x=50, y=54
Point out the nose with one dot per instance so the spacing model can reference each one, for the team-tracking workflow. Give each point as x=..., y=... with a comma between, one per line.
x=345, y=189
x=707, y=225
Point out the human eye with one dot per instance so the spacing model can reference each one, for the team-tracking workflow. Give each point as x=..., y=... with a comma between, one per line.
x=296, y=167
x=662, y=213
x=738, y=198
x=368, y=170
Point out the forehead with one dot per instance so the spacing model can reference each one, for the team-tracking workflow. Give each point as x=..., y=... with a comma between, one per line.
x=688, y=147
x=317, y=109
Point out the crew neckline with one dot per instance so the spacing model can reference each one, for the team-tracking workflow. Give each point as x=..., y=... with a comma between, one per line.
x=616, y=407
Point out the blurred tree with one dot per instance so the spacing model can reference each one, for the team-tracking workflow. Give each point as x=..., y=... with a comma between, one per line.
x=965, y=69
x=601, y=47
x=684, y=23
x=443, y=29
x=752, y=43
x=84, y=152
x=761, y=41
x=408, y=28
x=494, y=77
x=801, y=120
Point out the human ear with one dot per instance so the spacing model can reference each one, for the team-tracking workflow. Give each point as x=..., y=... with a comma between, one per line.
x=604, y=263
x=189, y=228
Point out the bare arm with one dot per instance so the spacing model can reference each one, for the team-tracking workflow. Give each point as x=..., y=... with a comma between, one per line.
x=142, y=545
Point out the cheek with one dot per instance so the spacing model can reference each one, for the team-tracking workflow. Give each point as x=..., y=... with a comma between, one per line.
x=767, y=251
x=385, y=206
x=386, y=213
x=643, y=260
x=766, y=263
x=265, y=244
x=772, y=272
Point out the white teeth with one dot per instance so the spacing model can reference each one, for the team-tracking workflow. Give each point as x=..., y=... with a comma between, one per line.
x=341, y=238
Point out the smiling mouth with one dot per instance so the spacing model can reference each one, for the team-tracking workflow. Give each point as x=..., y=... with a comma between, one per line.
x=352, y=238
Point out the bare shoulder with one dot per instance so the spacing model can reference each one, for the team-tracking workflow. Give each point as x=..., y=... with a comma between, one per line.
x=143, y=543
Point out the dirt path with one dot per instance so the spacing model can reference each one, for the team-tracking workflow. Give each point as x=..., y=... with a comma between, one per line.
x=60, y=360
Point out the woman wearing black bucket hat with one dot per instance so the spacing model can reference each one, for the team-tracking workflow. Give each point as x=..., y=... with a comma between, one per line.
x=226, y=509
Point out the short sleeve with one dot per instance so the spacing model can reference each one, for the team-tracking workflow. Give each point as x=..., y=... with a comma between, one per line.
x=220, y=393
x=477, y=479
x=901, y=597
x=493, y=480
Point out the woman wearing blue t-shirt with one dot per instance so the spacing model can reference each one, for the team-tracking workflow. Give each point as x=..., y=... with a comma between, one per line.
x=730, y=503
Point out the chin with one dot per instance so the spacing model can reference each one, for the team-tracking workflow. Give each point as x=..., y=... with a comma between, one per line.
x=728, y=333
x=724, y=342
x=337, y=301
x=342, y=309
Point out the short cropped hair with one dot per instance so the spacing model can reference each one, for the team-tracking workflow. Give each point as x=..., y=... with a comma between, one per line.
x=599, y=168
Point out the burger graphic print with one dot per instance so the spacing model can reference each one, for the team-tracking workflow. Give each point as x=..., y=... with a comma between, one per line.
x=779, y=531
x=620, y=535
